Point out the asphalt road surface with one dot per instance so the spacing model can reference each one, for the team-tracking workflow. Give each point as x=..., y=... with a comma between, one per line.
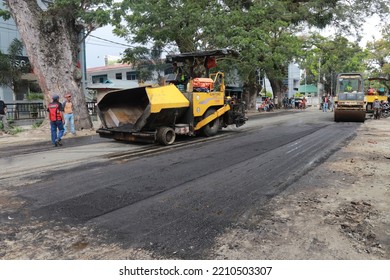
x=175, y=200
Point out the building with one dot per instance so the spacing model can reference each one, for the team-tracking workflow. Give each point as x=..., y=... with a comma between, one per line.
x=293, y=80
x=113, y=76
x=102, y=74
x=8, y=32
x=98, y=90
x=311, y=94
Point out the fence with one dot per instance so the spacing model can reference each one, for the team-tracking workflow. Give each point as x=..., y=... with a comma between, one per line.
x=36, y=110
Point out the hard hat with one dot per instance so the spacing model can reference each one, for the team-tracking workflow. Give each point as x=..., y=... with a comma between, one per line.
x=56, y=97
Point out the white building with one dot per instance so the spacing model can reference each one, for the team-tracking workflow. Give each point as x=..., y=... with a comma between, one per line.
x=293, y=80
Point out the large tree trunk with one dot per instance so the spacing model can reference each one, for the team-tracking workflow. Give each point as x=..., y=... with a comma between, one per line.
x=250, y=94
x=251, y=90
x=51, y=39
x=277, y=89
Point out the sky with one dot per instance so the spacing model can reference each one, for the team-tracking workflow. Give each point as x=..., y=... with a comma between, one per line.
x=97, y=49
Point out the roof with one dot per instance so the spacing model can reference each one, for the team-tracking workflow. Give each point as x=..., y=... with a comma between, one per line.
x=108, y=67
x=307, y=89
x=114, y=84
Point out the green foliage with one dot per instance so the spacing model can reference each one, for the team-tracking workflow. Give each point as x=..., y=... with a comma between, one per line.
x=379, y=57
x=11, y=72
x=37, y=124
x=5, y=14
x=12, y=129
x=15, y=130
x=145, y=60
x=163, y=22
x=91, y=13
x=266, y=94
x=35, y=96
x=325, y=57
x=264, y=31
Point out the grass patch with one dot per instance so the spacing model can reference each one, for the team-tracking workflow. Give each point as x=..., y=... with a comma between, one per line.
x=37, y=124
x=15, y=130
x=12, y=128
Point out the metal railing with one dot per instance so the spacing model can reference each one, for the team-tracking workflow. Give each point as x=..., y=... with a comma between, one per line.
x=36, y=110
x=24, y=111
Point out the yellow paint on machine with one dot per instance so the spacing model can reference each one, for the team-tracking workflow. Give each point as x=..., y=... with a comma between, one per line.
x=166, y=97
x=371, y=98
x=204, y=100
x=212, y=117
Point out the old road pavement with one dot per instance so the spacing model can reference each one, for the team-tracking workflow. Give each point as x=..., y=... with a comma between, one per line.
x=172, y=201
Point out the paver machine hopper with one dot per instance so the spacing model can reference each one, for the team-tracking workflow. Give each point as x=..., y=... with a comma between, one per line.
x=350, y=98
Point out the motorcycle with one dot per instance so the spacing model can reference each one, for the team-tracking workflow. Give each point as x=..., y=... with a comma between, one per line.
x=386, y=110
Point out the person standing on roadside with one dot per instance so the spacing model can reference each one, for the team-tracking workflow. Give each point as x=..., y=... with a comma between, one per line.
x=56, y=117
x=304, y=101
x=325, y=104
x=331, y=105
x=376, y=105
x=3, y=115
x=68, y=114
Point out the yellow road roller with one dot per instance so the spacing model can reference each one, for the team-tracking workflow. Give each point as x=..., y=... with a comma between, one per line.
x=350, y=98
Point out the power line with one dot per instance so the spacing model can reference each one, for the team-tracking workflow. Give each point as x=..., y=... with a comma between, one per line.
x=116, y=43
x=95, y=42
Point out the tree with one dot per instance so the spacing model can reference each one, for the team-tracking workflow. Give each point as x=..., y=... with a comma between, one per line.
x=197, y=25
x=264, y=32
x=325, y=57
x=52, y=35
x=146, y=61
x=379, y=56
x=164, y=22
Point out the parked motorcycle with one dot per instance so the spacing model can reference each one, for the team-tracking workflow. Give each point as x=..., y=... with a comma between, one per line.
x=385, y=110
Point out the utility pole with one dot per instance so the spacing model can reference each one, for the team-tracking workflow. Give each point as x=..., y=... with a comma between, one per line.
x=319, y=81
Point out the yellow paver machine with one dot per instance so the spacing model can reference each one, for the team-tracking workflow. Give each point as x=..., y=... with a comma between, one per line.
x=187, y=103
x=378, y=88
x=350, y=106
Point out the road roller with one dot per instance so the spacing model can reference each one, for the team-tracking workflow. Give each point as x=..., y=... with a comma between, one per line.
x=350, y=98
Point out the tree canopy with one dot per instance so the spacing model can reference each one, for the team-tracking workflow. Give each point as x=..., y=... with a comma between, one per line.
x=267, y=33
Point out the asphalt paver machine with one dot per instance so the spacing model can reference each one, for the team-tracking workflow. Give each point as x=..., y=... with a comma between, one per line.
x=187, y=103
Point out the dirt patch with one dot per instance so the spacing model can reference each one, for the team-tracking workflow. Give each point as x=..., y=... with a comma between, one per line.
x=52, y=240
x=34, y=135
